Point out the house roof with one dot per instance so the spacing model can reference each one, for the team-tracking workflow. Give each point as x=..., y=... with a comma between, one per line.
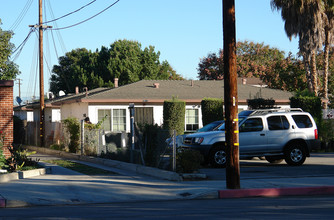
x=191, y=91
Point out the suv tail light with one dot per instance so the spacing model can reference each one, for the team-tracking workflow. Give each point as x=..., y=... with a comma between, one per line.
x=316, y=134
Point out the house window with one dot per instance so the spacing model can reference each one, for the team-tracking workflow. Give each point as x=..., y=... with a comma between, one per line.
x=30, y=116
x=119, y=120
x=191, y=119
x=104, y=115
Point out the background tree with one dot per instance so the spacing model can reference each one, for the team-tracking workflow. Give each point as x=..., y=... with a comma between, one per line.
x=287, y=74
x=8, y=69
x=253, y=60
x=260, y=61
x=125, y=60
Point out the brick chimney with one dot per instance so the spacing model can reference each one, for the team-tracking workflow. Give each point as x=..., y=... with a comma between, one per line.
x=244, y=81
x=116, y=82
x=156, y=85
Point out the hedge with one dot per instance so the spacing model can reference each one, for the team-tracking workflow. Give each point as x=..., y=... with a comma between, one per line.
x=174, y=115
x=212, y=110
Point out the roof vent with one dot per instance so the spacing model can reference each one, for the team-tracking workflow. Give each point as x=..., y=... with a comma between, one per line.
x=156, y=85
x=116, y=82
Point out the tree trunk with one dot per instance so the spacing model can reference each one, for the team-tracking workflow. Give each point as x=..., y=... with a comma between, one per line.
x=308, y=74
x=326, y=57
x=314, y=75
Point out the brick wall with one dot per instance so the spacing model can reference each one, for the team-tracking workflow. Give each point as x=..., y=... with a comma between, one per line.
x=6, y=113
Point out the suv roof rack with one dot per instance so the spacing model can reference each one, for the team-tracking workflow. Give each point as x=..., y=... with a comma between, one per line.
x=267, y=111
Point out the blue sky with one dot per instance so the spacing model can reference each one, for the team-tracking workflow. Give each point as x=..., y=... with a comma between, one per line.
x=184, y=31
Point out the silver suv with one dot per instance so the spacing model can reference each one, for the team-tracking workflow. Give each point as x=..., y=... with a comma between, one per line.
x=275, y=134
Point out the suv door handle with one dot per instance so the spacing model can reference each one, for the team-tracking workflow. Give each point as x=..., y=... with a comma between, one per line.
x=262, y=134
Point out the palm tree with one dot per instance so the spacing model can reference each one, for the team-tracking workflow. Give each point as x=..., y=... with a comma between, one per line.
x=329, y=30
x=304, y=18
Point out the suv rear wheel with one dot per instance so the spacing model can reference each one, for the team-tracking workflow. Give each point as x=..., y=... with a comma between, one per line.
x=295, y=154
x=217, y=157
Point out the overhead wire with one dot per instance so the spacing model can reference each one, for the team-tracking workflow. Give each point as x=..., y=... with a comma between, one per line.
x=70, y=26
x=21, y=15
x=70, y=12
x=20, y=47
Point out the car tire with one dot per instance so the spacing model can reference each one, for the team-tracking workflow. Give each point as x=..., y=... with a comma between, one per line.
x=295, y=154
x=274, y=160
x=218, y=157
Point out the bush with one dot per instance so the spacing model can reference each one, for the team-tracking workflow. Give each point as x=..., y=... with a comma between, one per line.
x=73, y=127
x=188, y=161
x=174, y=115
x=19, y=158
x=212, y=110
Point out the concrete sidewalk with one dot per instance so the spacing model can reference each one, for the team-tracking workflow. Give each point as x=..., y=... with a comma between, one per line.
x=65, y=186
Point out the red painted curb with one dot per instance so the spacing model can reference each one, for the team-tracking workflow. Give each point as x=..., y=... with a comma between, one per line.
x=272, y=192
x=2, y=202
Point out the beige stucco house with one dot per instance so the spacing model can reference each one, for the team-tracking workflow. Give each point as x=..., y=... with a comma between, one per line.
x=148, y=96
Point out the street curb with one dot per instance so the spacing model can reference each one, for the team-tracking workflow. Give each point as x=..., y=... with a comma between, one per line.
x=19, y=175
x=273, y=192
x=137, y=168
x=22, y=174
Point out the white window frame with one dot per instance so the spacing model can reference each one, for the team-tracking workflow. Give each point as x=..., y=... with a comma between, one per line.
x=120, y=123
x=196, y=117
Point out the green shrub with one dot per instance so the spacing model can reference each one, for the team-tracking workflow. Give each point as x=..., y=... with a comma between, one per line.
x=3, y=163
x=73, y=127
x=174, y=115
x=20, y=158
x=212, y=110
x=188, y=161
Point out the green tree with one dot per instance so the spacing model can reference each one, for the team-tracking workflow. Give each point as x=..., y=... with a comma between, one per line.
x=76, y=68
x=124, y=60
x=253, y=60
x=287, y=74
x=8, y=69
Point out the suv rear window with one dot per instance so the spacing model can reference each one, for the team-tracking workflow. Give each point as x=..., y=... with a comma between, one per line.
x=302, y=121
x=278, y=123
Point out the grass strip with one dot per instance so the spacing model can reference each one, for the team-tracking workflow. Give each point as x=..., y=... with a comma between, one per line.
x=81, y=168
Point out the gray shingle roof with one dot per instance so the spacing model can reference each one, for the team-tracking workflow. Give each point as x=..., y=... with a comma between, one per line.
x=189, y=90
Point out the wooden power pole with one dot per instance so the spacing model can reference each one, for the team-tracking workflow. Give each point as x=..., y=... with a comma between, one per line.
x=41, y=75
x=41, y=27
x=231, y=96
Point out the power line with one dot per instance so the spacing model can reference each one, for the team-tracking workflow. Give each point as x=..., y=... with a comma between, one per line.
x=70, y=12
x=89, y=17
x=21, y=15
x=20, y=47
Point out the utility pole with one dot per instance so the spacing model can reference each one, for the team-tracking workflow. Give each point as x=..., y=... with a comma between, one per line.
x=231, y=96
x=19, y=83
x=41, y=27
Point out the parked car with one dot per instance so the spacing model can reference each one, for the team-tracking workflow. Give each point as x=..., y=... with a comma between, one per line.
x=209, y=127
x=275, y=134
x=213, y=126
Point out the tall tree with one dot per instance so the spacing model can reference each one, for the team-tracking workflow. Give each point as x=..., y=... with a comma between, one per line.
x=304, y=18
x=8, y=69
x=329, y=30
x=253, y=60
x=124, y=60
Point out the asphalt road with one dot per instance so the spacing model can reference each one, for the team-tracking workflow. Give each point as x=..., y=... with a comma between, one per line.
x=306, y=207
x=318, y=165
